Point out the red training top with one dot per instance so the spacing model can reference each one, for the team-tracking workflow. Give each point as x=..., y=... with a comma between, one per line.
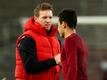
x=74, y=58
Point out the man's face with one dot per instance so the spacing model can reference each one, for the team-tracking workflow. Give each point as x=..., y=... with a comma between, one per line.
x=45, y=18
x=61, y=29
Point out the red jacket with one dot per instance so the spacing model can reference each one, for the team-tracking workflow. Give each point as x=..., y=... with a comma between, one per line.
x=47, y=47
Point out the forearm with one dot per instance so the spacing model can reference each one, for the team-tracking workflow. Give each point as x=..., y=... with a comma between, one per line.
x=32, y=65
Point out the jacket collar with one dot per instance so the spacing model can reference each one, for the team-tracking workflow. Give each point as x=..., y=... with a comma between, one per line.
x=36, y=27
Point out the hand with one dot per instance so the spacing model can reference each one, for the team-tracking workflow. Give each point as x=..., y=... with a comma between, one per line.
x=57, y=59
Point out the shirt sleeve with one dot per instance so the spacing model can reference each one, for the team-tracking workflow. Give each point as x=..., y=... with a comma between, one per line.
x=27, y=51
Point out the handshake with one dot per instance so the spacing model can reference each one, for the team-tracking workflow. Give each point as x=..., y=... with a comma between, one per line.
x=58, y=59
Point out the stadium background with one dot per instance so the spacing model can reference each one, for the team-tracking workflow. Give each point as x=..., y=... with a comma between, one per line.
x=95, y=35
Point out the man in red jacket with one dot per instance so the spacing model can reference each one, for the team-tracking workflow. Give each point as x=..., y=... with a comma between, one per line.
x=37, y=49
x=74, y=51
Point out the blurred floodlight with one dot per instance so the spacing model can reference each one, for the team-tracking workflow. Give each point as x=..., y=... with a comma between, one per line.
x=104, y=65
x=82, y=20
x=4, y=78
x=92, y=20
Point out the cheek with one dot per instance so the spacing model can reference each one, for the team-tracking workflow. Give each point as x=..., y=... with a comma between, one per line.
x=42, y=20
x=43, y=23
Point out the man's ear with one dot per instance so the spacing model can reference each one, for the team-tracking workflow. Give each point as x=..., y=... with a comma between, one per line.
x=64, y=24
x=35, y=18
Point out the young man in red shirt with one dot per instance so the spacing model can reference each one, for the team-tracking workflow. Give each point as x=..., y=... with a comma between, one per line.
x=74, y=51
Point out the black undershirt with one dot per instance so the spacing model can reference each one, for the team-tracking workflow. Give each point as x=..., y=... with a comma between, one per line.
x=29, y=58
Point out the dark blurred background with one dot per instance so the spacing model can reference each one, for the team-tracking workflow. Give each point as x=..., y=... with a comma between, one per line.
x=95, y=35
